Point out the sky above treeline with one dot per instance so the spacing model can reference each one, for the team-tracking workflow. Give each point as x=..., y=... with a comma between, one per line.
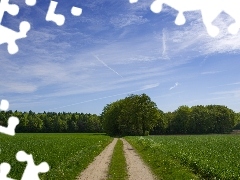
x=114, y=49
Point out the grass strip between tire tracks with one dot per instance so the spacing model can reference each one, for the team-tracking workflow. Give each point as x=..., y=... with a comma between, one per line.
x=118, y=166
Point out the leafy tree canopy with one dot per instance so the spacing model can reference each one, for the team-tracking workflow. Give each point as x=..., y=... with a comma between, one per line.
x=133, y=115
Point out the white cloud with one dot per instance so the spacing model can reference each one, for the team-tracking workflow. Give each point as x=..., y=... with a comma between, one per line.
x=19, y=87
x=233, y=93
x=127, y=19
x=176, y=84
x=150, y=86
x=120, y=94
x=210, y=72
x=195, y=37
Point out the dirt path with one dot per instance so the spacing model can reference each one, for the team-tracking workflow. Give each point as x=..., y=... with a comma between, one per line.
x=98, y=169
x=137, y=170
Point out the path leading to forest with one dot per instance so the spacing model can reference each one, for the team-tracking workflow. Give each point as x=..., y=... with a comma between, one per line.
x=98, y=169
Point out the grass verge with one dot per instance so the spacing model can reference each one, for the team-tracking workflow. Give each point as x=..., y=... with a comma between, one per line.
x=117, y=169
x=206, y=156
x=161, y=163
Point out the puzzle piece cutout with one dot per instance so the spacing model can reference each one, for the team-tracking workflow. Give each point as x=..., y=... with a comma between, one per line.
x=8, y=35
x=4, y=105
x=31, y=2
x=31, y=171
x=76, y=11
x=12, y=9
x=133, y=1
x=59, y=19
x=209, y=10
x=4, y=170
x=12, y=123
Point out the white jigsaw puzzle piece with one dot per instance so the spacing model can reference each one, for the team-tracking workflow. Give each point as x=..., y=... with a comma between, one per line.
x=133, y=1
x=31, y=171
x=12, y=123
x=4, y=170
x=210, y=10
x=76, y=11
x=9, y=36
x=4, y=105
x=31, y=2
x=12, y=9
x=59, y=19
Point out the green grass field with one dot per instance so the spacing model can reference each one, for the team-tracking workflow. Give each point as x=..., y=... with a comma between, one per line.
x=66, y=154
x=170, y=157
x=191, y=157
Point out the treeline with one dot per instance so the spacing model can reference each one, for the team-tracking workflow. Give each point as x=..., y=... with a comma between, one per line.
x=133, y=115
x=52, y=122
x=138, y=115
x=198, y=120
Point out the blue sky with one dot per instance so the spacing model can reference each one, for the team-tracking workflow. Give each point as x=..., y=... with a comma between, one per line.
x=114, y=49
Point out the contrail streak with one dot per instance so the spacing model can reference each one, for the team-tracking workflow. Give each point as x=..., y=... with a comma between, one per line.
x=164, y=54
x=107, y=66
x=144, y=88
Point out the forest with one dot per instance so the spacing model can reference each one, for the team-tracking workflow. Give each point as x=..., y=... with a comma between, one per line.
x=52, y=122
x=133, y=115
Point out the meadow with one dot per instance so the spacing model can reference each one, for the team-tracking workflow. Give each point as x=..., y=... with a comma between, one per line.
x=191, y=157
x=66, y=154
x=169, y=157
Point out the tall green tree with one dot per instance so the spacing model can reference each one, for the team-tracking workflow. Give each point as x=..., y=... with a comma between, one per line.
x=180, y=122
x=133, y=115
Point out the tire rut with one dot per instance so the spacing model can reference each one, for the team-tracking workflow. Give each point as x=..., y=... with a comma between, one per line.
x=98, y=169
x=137, y=170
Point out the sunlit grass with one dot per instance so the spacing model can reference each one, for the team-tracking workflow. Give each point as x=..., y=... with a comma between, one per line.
x=66, y=154
x=179, y=157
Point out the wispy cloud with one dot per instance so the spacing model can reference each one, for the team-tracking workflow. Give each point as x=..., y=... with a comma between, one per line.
x=236, y=83
x=150, y=86
x=176, y=84
x=229, y=84
x=234, y=93
x=192, y=40
x=127, y=20
x=210, y=72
